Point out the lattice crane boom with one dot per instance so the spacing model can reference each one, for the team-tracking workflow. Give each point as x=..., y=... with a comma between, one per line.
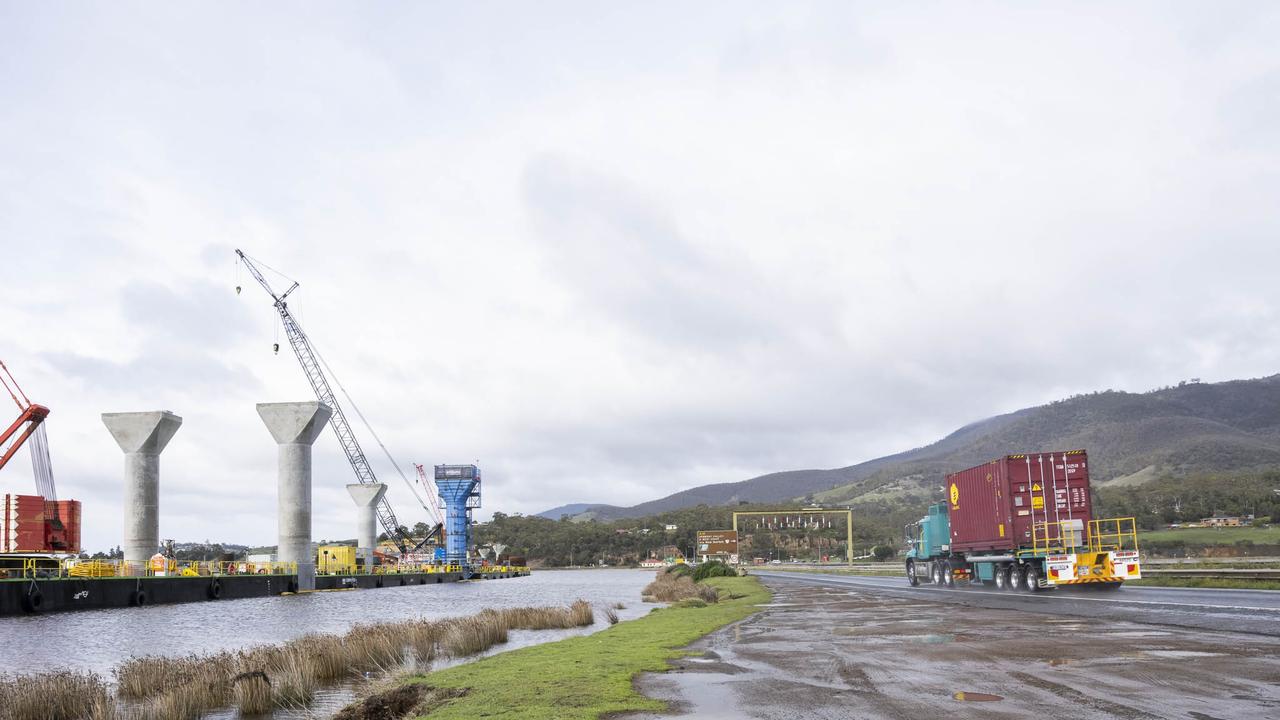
x=311, y=367
x=28, y=426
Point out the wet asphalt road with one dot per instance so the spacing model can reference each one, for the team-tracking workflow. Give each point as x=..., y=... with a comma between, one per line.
x=859, y=647
x=1254, y=611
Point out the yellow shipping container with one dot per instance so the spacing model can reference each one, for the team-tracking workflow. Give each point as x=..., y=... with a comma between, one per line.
x=335, y=559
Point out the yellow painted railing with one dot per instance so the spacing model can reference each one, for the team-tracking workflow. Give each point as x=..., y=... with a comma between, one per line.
x=46, y=568
x=1069, y=535
x=1113, y=534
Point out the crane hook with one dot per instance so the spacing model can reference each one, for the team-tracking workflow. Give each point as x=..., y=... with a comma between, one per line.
x=237, y=289
x=276, y=347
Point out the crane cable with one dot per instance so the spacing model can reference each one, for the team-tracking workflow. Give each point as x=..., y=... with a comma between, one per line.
x=369, y=427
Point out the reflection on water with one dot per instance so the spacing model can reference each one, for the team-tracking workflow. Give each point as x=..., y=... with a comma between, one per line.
x=98, y=640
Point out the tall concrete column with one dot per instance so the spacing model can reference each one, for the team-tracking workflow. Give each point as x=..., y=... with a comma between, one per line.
x=142, y=436
x=295, y=426
x=367, y=497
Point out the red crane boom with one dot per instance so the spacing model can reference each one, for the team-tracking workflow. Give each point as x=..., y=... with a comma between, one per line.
x=30, y=423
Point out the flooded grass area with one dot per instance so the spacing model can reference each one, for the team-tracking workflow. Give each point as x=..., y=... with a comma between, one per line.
x=311, y=670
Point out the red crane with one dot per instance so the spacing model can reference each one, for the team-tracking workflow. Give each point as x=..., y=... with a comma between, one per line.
x=30, y=424
x=61, y=520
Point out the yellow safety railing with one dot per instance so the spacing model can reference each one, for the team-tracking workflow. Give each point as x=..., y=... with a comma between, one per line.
x=1103, y=535
x=1113, y=534
x=69, y=568
x=1056, y=537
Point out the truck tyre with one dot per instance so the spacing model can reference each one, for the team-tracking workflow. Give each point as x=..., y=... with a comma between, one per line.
x=1031, y=579
x=948, y=575
x=935, y=574
x=1002, y=577
x=912, y=580
x=1012, y=578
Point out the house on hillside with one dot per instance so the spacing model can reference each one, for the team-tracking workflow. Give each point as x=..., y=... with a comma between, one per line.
x=1220, y=520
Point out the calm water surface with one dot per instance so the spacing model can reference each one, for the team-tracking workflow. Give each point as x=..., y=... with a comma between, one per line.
x=98, y=640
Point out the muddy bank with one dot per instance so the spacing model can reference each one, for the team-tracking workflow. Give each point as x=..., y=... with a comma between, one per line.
x=832, y=652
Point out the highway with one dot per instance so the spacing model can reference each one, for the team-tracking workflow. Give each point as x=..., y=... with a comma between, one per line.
x=1253, y=611
x=847, y=646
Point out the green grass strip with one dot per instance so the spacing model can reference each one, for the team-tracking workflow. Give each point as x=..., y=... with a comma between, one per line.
x=587, y=676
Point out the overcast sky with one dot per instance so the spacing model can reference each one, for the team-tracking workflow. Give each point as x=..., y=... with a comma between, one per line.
x=615, y=253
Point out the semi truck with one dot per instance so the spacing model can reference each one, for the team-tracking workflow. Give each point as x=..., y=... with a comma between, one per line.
x=1022, y=522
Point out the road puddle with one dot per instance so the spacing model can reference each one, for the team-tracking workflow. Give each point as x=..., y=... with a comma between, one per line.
x=1182, y=653
x=931, y=639
x=964, y=696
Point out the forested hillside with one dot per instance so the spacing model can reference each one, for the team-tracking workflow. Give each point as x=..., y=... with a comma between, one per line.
x=1191, y=430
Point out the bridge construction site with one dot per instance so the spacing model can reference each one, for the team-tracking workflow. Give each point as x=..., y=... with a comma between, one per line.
x=40, y=535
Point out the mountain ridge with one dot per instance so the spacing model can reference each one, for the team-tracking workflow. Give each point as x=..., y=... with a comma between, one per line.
x=1191, y=427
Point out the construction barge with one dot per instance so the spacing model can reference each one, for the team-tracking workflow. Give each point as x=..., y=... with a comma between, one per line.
x=41, y=588
x=40, y=535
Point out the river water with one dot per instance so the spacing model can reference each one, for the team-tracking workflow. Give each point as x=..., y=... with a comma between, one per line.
x=99, y=640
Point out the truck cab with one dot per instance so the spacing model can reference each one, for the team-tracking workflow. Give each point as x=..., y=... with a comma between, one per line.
x=928, y=539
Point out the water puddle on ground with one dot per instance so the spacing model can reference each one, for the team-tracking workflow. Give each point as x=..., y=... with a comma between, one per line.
x=931, y=639
x=964, y=696
x=1181, y=653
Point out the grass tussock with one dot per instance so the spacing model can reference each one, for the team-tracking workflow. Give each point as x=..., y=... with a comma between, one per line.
x=475, y=634
x=673, y=587
x=252, y=693
x=611, y=616
x=60, y=695
x=579, y=614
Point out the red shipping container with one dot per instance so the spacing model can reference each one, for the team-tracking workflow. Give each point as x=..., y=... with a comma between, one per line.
x=68, y=513
x=24, y=529
x=993, y=506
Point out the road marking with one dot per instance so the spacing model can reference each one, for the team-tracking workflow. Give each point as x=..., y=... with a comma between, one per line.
x=851, y=581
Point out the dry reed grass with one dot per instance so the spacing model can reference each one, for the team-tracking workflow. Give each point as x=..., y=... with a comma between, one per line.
x=257, y=680
x=611, y=616
x=423, y=637
x=674, y=587
x=59, y=695
x=578, y=614
x=475, y=634
x=252, y=693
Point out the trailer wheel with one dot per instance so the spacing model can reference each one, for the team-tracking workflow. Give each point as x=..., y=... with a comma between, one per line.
x=1012, y=577
x=912, y=580
x=1031, y=579
x=1002, y=577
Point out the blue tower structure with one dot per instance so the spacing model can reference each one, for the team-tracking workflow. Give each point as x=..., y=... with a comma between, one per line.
x=459, y=490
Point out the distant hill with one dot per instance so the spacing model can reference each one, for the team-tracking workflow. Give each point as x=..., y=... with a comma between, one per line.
x=571, y=509
x=1131, y=438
